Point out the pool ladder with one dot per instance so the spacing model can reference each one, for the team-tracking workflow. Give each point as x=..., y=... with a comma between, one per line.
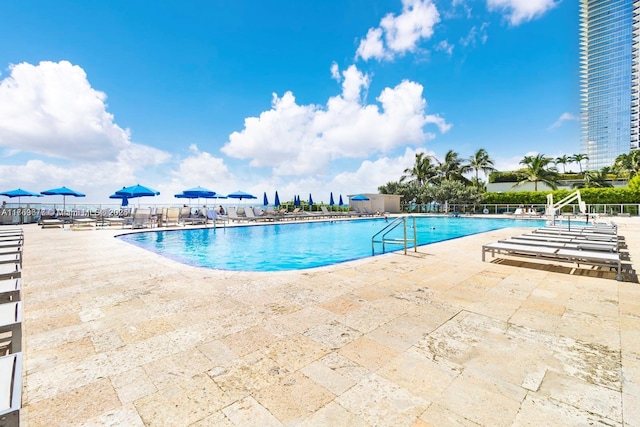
x=381, y=236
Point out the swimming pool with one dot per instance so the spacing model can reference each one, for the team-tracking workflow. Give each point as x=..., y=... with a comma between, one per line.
x=296, y=246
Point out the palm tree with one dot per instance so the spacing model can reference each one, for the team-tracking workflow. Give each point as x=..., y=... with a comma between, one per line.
x=481, y=161
x=537, y=170
x=628, y=163
x=422, y=171
x=578, y=158
x=452, y=169
x=593, y=179
x=562, y=160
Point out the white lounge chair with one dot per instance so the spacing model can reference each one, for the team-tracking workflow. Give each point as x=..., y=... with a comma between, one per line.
x=584, y=245
x=10, y=289
x=589, y=257
x=11, y=321
x=10, y=389
x=528, y=238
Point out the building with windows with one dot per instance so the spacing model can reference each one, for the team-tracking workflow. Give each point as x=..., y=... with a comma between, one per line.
x=610, y=79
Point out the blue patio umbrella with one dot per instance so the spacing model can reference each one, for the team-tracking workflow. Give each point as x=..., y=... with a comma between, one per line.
x=277, y=200
x=125, y=199
x=196, y=193
x=296, y=200
x=136, y=191
x=200, y=192
x=240, y=195
x=340, y=203
x=19, y=193
x=331, y=202
x=186, y=196
x=64, y=192
x=265, y=201
x=310, y=200
x=359, y=198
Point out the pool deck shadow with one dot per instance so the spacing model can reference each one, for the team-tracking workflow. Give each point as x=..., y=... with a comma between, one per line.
x=116, y=335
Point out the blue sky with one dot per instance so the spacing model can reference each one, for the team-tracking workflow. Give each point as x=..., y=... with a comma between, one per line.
x=299, y=97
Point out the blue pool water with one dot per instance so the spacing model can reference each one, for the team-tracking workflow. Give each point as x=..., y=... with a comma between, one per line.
x=294, y=246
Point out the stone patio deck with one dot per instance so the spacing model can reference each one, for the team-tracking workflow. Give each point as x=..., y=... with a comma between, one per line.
x=118, y=336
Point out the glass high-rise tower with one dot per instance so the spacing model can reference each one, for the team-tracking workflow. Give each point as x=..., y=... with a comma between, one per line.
x=609, y=72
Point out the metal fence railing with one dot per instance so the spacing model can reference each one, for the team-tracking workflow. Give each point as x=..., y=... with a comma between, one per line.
x=624, y=209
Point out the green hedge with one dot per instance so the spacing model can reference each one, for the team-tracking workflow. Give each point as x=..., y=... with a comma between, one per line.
x=515, y=176
x=590, y=196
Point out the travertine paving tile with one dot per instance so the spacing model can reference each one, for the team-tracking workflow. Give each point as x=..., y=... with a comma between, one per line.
x=592, y=398
x=535, y=319
x=413, y=371
x=184, y=403
x=590, y=328
x=133, y=385
x=330, y=379
x=537, y=410
x=469, y=394
x=403, y=340
x=347, y=368
x=295, y=352
x=368, y=353
x=375, y=398
x=127, y=415
x=177, y=367
x=69, y=407
x=334, y=415
x=246, y=375
x=438, y=416
x=248, y=340
x=294, y=398
x=333, y=335
x=248, y=412
x=217, y=352
x=67, y=352
x=340, y=305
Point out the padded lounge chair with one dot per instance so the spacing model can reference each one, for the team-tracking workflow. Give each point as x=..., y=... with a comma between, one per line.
x=529, y=239
x=234, y=216
x=584, y=245
x=172, y=218
x=141, y=218
x=52, y=222
x=595, y=258
x=10, y=389
x=187, y=218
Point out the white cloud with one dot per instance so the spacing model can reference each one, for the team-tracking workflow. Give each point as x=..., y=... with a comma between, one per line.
x=51, y=109
x=371, y=46
x=563, y=118
x=519, y=11
x=373, y=173
x=335, y=71
x=445, y=46
x=475, y=34
x=401, y=33
x=298, y=139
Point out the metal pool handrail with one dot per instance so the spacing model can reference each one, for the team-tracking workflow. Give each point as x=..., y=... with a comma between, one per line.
x=382, y=234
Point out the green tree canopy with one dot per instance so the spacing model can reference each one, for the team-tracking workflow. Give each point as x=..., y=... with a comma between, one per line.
x=537, y=170
x=480, y=161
